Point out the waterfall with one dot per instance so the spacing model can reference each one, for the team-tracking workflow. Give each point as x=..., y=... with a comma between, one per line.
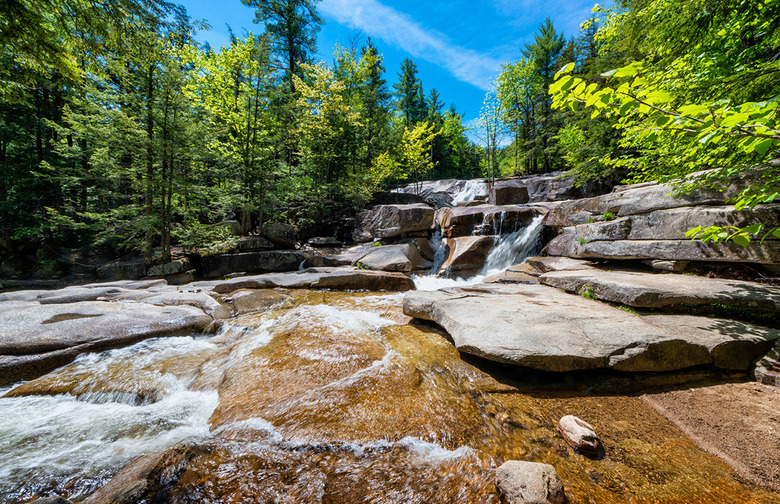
x=440, y=248
x=514, y=247
x=472, y=190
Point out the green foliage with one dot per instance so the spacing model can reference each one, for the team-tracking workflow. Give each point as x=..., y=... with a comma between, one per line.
x=628, y=309
x=606, y=216
x=701, y=92
x=587, y=293
x=582, y=241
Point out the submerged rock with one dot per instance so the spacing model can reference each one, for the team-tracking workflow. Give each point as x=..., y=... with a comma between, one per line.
x=579, y=434
x=529, y=483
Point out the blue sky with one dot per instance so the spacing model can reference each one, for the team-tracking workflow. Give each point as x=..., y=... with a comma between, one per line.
x=458, y=45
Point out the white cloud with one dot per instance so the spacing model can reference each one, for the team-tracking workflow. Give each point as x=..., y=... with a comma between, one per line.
x=378, y=20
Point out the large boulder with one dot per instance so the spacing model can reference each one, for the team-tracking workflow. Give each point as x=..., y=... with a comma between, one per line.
x=404, y=258
x=466, y=255
x=132, y=269
x=390, y=221
x=508, y=192
x=254, y=244
x=170, y=268
x=484, y=219
x=649, y=290
x=529, y=483
x=543, y=328
x=280, y=234
x=252, y=262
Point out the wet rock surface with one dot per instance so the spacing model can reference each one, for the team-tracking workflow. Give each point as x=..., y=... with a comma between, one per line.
x=529, y=483
x=579, y=434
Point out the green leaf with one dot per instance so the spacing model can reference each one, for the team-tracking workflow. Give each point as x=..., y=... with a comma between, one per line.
x=742, y=240
x=754, y=228
x=567, y=83
x=763, y=146
x=626, y=71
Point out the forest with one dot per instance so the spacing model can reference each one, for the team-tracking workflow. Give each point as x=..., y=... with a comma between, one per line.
x=119, y=131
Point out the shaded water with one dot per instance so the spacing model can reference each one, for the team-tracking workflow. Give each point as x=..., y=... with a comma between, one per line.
x=333, y=397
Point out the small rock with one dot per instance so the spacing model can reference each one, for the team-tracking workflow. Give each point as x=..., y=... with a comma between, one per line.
x=529, y=483
x=579, y=434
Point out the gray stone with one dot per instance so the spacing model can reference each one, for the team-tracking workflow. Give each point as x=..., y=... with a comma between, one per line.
x=674, y=266
x=732, y=344
x=649, y=290
x=201, y=300
x=388, y=221
x=324, y=241
x=171, y=268
x=529, y=483
x=404, y=258
x=508, y=192
x=254, y=244
x=344, y=278
x=579, y=434
x=53, y=499
x=569, y=245
x=283, y=235
x=552, y=263
x=252, y=262
x=123, y=270
x=543, y=328
x=640, y=199
x=254, y=300
x=35, y=338
x=466, y=255
x=486, y=219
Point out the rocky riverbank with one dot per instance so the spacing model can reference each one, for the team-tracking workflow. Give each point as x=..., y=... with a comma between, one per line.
x=416, y=362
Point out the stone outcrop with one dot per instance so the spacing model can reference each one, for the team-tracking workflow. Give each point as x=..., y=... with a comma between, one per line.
x=648, y=222
x=252, y=262
x=254, y=244
x=402, y=257
x=484, y=219
x=344, y=278
x=529, y=483
x=579, y=434
x=280, y=234
x=466, y=255
x=543, y=328
x=649, y=290
x=36, y=338
x=508, y=192
x=122, y=270
x=391, y=221
x=767, y=369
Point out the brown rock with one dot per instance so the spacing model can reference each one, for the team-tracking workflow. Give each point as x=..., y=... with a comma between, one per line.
x=467, y=255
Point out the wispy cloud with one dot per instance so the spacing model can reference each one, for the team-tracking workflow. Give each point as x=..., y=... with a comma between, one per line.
x=383, y=22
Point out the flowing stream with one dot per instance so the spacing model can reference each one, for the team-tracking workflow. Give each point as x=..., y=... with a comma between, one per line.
x=335, y=398
x=331, y=397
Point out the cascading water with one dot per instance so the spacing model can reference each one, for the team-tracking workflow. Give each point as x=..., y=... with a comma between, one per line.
x=515, y=247
x=330, y=397
x=472, y=190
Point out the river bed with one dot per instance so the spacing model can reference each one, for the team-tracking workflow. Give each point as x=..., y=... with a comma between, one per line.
x=333, y=397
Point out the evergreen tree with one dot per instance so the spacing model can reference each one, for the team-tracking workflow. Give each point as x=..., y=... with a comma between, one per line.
x=410, y=101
